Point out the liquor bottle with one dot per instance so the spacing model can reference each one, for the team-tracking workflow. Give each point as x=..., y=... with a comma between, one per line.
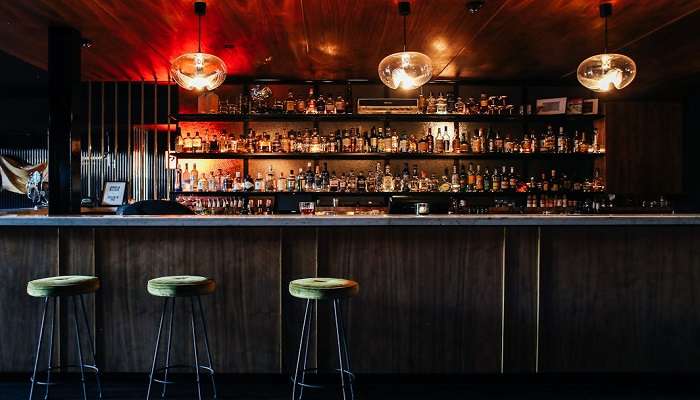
x=404, y=146
x=477, y=141
x=270, y=181
x=186, y=180
x=301, y=181
x=490, y=142
x=463, y=143
x=498, y=142
x=394, y=140
x=361, y=182
x=187, y=144
x=311, y=102
x=562, y=141
x=583, y=145
x=460, y=107
x=422, y=145
x=352, y=182
x=179, y=142
x=289, y=103
x=471, y=178
x=301, y=106
x=318, y=184
x=444, y=185
x=478, y=179
x=237, y=185
x=505, y=180
x=415, y=180
x=320, y=104
x=211, y=182
x=430, y=141
x=550, y=141
x=487, y=180
x=446, y=140
x=291, y=181
x=309, y=178
x=259, y=185
x=333, y=182
x=197, y=143
x=595, y=145
x=330, y=104
x=421, y=104
x=203, y=183
x=554, y=181
x=483, y=104
x=178, y=179
x=450, y=98
x=513, y=179
x=463, y=179
x=325, y=178
x=214, y=144
x=340, y=105
x=441, y=104
x=439, y=142
x=342, y=183
x=346, y=142
x=431, y=104
x=495, y=181
x=456, y=146
x=454, y=179
x=194, y=176
x=387, y=179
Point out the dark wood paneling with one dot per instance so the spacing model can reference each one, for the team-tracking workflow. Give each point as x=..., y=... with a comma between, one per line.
x=644, y=147
x=76, y=256
x=243, y=315
x=520, y=310
x=26, y=254
x=429, y=302
x=299, y=253
x=620, y=299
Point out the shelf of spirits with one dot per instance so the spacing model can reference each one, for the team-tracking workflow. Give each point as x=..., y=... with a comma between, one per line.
x=388, y=156
x=386, y=118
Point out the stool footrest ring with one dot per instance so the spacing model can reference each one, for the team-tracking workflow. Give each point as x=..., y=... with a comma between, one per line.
x=347, y=373
x=180, y=366
x=59, y=368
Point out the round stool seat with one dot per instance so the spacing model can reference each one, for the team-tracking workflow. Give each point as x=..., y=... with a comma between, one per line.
x=180, y=286
x=67, y=285
x=323, y=288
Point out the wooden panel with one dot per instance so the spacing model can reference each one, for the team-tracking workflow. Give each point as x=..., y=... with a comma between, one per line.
x=430, y=298
x=329, y=39
x=298, y=261
x=243, y=315
x=77, y=257
x=620, y=299
x=640, y=137
x=520, y=309
x=26, y=254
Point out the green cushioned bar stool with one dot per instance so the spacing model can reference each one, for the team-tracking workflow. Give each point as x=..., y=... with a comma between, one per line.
x=186, y=288
x=71, y=287
x=313, y=290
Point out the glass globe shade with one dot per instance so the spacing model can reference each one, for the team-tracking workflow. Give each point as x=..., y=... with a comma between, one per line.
x=603, y=72
x=405, y=70
x=198, y=71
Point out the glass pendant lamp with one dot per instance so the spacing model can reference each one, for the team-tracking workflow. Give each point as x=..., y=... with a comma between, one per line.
x=406, y=69
x=603, y=72
x=198, y=71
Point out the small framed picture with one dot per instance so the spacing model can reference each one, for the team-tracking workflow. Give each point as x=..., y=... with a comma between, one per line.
x=114, y=194
x=590, y=106
x=574, y=106
x=552, y=106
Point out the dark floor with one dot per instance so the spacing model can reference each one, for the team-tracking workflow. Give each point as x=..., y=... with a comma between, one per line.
x=274, y=389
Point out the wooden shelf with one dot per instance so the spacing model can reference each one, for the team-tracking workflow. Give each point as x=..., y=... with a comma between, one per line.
x=390, y=156
x=382, y=118
x=384, y=194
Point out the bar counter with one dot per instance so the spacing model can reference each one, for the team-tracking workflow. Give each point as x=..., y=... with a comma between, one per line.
x=438, y=294
x=379, y=220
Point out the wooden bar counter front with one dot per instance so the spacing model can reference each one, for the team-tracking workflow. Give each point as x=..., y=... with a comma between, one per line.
x=435, y=299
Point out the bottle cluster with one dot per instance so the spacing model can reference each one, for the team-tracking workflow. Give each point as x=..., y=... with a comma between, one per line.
x=227, y=205
x=380, y=140
x=469, y=178
x=451, y=104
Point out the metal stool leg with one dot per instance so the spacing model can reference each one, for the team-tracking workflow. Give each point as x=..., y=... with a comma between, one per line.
x=344, y=340
x=155, y=352
x=312, y=311
x=92, y=347
x=340, y=349
x=38, y=347
x=194, y=350
x=302, y=340
x=167, y=352
x=206, y=345
x=80, y=350
x=53, y=329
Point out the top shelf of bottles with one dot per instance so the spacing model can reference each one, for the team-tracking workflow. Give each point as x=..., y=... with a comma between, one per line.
x=559, y=118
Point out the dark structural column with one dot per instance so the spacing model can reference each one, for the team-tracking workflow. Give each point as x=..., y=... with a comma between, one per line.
x=64, y=106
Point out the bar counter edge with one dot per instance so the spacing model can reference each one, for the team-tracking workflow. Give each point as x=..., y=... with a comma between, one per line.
x=320, y=221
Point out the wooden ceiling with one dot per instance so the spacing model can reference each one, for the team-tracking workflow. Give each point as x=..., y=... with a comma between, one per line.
x=339, y=39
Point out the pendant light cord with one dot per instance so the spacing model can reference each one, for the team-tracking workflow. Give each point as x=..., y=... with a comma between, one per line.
x=199, y=34
x=404, y=33
x=606, y=35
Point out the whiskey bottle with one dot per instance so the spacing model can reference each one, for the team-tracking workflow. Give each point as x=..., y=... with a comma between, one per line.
x=439, y=142
x=454, y=179
x=431, y=104
x=463, y=143
x=342, y=183
x=203, y=183
x=289, y=103
x=333, y=182
x=498, y=143
x=330, y=104
x=394, y=141
x=505, y=180
x=471, y=178
x=495, y=181
x=340, y=105
x=197, y=143
x=309, y=178
x=444, y=185
x=441, y=104
x=178, y=179
x=478, y=179
x=430, y=141
x=291, y=181
x=346, y=142
x=483, y=104
x=446, y=140
x=320, y=104
x=352, y=182
x=404, y=144
x=421, y=104
x=595, y=145
x=186, y=180
x=513, y=179
x=187, y=143
x=562, y=141
x=361, y=182
x=194, y=176
x=179, y=142
x=487, y=180
x=583, y=145
x=387, y=179
x=270, y=182
x=318, y=181
x=311, y=102
x=476, y=140
x=456, y=146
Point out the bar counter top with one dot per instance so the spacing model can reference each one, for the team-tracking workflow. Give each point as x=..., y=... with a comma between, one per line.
x=382, y=220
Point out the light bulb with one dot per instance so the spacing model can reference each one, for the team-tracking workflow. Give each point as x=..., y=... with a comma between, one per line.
x=604, y=72
x=405, y=70
x=198, y=71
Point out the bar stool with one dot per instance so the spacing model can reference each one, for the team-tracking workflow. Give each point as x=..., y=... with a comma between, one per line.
x=324, y=289
x=172, y=288
x=73, y=287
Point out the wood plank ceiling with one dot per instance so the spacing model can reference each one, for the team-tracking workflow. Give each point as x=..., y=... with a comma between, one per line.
x=339, y=39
